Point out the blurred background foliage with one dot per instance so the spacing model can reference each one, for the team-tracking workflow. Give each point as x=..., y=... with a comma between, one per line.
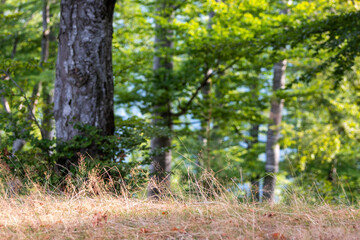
x=320, y=130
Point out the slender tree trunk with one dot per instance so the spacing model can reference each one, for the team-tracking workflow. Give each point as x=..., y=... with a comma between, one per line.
x=5, y=103
x=206, y=126
x=254, y=135
x=255, y=181
x=161, y=145
x=84, y=87
x=16, y=40
x=47, y=94
x=206, y=122
x=47, y=120
x=46, y=32
x=19, y=143
x=272, y=146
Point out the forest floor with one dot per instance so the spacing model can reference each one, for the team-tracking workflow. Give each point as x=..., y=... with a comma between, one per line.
x=45, y=216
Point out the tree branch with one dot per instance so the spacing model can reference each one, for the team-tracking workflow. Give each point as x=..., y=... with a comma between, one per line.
x=184, y=109
x=27, y=103
x=176, y=7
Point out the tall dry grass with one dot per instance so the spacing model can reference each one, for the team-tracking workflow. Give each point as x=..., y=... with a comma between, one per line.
x=91, y=208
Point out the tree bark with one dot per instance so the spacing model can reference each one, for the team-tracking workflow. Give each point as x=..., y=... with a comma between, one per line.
x=47, y=120
x=47, y=94
x=254, y=139
x=84, y=87
x=16, y=40
x=46, y=32
x=254, y=181
x=206, y=122
x=206, y=125
x=20, y=143
x=162, y=66
x=272, y=146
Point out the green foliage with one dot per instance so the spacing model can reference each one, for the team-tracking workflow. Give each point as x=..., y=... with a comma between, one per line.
x=217, y=93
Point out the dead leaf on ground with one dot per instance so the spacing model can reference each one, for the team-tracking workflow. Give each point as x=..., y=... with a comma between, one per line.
x=144, y=230
x=99, y=218
x=278, y=236
x=175, y=229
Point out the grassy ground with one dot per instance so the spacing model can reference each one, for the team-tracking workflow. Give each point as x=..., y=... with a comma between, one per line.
x=89, y=208
x=43, y=216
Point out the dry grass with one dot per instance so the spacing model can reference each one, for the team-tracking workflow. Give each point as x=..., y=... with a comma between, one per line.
x=91, y=210
x=39, y=216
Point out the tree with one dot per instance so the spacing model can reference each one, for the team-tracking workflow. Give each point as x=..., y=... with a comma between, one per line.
x=161, y=110
x=272, y=145
x=47, y=94
x=84, y=79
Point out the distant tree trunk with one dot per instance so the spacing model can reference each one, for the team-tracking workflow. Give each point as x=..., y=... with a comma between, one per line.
x=272, y=146
x=206, y=121
x=255, y=181
x=84, y=87
x=20, y=143
x=4, y=103
x=162, y=67
x=47, y=120
x=47, y=94
x=46, y=32
x=16, y=40
x=254, y=135
x=206, y=126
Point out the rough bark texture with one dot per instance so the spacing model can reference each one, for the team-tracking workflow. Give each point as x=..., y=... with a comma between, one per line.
x=161, y=145
x=84, y=86
x=272, y=146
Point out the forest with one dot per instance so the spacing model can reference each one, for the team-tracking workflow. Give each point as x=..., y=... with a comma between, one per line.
x=257, y=99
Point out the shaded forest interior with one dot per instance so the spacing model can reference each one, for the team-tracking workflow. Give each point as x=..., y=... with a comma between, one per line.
x=261, y=95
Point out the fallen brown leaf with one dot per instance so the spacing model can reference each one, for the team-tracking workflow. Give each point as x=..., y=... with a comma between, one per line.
x=278, y=236
x=99, y=218
x=144, y=230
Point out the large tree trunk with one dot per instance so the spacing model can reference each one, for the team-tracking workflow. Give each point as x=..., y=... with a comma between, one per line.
x=162, y=67
x=84, y=87
x=272, y=146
